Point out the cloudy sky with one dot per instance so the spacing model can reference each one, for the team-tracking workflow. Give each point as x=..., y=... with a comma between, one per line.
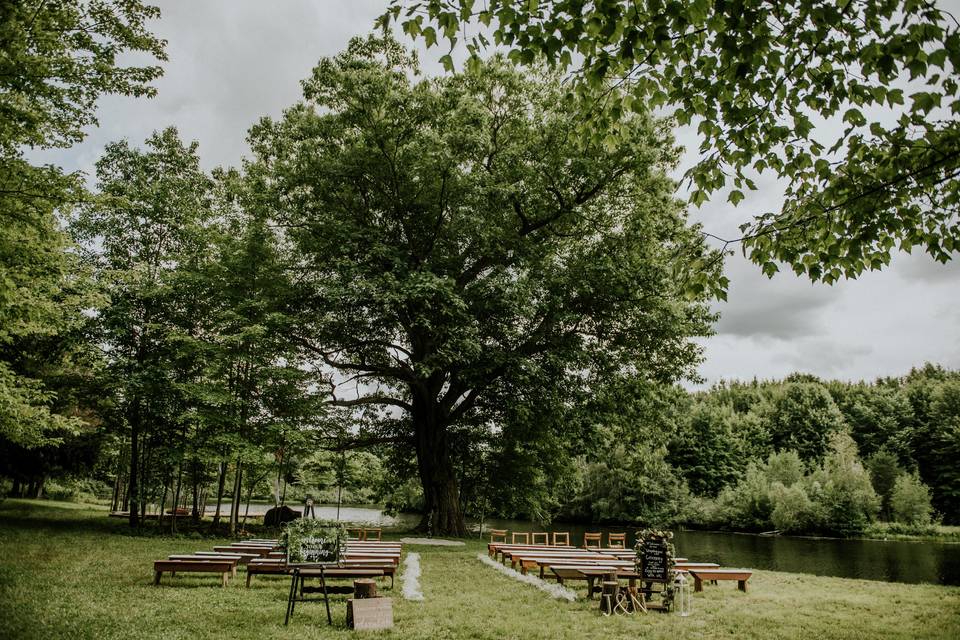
x=232, y=62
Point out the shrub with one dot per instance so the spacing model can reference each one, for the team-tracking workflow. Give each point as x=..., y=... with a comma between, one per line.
x=747, y=505
x=844, y=494
x=910, y=502
x=793, y=511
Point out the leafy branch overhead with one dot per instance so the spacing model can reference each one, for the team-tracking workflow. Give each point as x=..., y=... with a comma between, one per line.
x=852, y=103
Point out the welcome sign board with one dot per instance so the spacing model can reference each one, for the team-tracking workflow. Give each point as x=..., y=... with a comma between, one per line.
x=312, y=542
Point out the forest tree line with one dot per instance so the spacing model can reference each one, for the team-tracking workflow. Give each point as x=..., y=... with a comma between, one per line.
x=801, y=455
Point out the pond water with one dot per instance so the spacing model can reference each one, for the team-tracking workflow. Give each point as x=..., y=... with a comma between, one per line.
x=357, y=515
x=889, y=561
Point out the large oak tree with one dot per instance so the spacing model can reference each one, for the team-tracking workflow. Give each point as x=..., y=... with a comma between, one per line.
x=460, y=245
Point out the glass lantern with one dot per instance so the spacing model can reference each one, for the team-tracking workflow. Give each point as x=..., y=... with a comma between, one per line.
x=683, y=600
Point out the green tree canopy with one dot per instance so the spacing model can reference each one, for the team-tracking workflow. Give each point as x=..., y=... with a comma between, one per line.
x=58, y=58
x=464, y=252
x=766, y=84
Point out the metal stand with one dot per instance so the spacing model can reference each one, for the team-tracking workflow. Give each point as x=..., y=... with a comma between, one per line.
x=297, y=590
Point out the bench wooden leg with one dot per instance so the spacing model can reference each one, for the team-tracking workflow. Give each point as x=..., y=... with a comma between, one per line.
x=697, y=585
x=225, y=575
x=156, y=577
x=249, y=576
x=742, y=585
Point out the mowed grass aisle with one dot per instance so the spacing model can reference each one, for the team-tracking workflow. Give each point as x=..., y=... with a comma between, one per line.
x=70, y=572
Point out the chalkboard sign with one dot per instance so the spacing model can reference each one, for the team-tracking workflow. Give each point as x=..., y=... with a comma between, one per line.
x=655, y=560
x=312, y=542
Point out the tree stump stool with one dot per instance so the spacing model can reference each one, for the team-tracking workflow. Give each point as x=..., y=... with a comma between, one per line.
x=365, y=588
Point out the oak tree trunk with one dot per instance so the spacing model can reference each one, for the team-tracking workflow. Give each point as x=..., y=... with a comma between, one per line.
x=442, y=515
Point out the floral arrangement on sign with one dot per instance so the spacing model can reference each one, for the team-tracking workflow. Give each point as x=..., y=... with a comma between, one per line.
x=658, y=544
x=310, y=541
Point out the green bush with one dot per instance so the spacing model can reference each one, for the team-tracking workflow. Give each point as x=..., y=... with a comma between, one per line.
x=910, y=501
x=843, y=491
x=747, y=505
x=836, y=498
x=793, y=511
x=86, y=490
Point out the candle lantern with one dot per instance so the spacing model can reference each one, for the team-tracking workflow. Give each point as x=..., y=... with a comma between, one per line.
x=684, y=597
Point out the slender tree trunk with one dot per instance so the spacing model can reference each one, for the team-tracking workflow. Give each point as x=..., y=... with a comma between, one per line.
x=246, y=511
x=195, y=482
x=116, y=493
x=133, y=488
x=145, y=479
x=15, y=489
x=176, y=499
x=163, y=503
x=203, y=501
x=38, y=492
x=442, y=514
x=221, y=481
x=235, y=498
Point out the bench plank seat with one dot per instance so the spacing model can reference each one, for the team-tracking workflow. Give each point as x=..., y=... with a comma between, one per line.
x=740, y=575
x=223, y=567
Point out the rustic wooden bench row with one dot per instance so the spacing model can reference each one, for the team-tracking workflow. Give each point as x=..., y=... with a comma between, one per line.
x=224, y=567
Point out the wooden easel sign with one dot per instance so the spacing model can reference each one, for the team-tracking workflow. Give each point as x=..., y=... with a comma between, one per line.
x=313, y=542
x=655, y=566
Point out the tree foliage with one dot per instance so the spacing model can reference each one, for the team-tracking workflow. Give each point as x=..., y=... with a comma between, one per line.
x=58, y=58
x=853, y=104
x=466, y=253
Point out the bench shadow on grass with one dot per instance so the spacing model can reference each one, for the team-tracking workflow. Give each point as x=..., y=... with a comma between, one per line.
x=38, y=516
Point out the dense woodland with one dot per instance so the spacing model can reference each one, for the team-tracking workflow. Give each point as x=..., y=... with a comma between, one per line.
x=473, y=294
x=800, y=455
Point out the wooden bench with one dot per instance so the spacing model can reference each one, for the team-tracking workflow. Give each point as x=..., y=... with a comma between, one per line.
x=498, y=535
x=617, y=540
x=223, y=567
x=213, y=555
x=267, y=567
x=593, y=573
x=257, y=551
x=523, y=536
x=233, y=560
x=592, y=540
x=740, y=575
x=695, y=565
x=561, y=539
x=496, y=549
x=358, y=533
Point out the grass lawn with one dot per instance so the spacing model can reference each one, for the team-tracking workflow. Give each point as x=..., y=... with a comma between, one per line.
x=72, y=572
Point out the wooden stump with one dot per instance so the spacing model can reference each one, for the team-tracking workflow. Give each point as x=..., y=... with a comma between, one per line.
x=365, y=588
